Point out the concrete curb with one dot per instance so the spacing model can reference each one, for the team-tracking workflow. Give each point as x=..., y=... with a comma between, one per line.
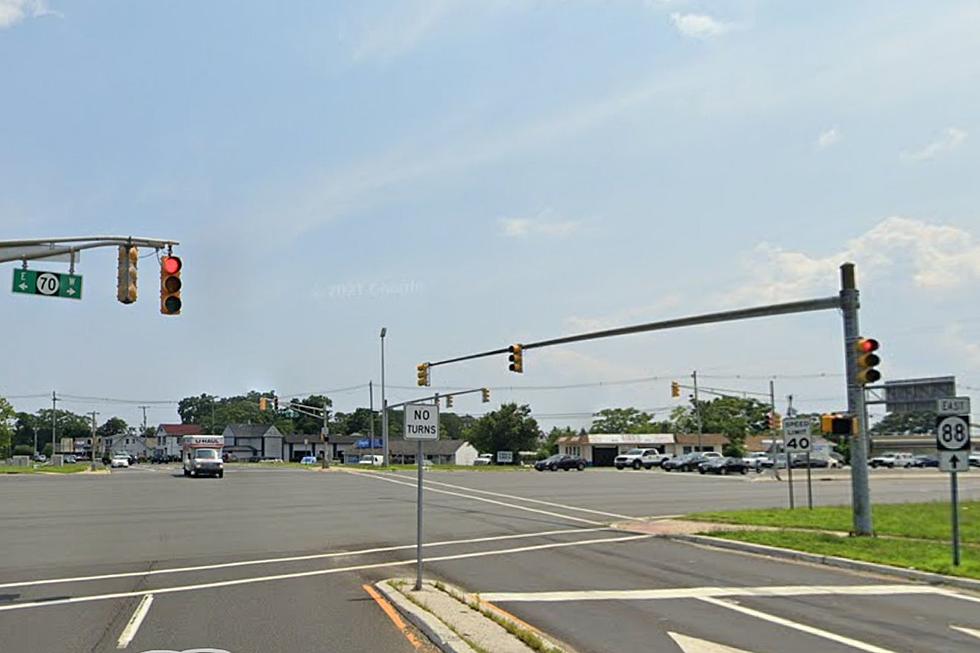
x=830, y=561
x=437, y=632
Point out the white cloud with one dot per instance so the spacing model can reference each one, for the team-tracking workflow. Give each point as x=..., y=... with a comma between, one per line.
x=828, y=138
x=951, y=139
x=14, y=11
x=699, y=26
x=938, y=257
x=540, y=225
x=402, y=30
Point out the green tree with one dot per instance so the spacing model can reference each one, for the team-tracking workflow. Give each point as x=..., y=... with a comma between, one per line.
x=307, y=424
x=627, y=420
x=509, y=428
x=112, y=426
x=7, y=415
x=733, y=417
x=550, y=445
x=900, y=423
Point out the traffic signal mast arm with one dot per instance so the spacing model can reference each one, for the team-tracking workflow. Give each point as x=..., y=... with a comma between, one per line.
x=440, y=396
x=42, y=248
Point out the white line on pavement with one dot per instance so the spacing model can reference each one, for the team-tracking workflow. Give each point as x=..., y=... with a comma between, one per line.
x=967, y=631
x=129, y=632
x=716, y=592
x=810, y=630
x=544, y=503
x=312, y=556
x=318, y=572
x=695, y=645
x=379, y=477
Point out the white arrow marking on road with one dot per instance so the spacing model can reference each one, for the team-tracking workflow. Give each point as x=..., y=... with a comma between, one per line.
x=695, y=645
x=129, y=632
x=968, y=631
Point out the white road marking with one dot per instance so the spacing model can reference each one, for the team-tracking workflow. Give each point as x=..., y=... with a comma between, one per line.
x=379, y=477
x=538, y=501
x=967, y=631
x=695, y=645
x=318, y=572
x=810, y=630
x=716, y=592
x=129, y=632
x=313, y=556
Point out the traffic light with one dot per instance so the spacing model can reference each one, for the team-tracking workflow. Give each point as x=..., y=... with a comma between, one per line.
x=838, y=424
x=126, y=274
x=516, y=359
x=170, y=285
x=775, y=421
x=867, y=360
x=275, y=403
x=486, y=395
x=449, y=401
x=423, y=374
x=675, y=389
x=263, y=404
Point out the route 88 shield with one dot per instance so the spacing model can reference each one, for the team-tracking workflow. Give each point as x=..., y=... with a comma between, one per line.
x=952, y=432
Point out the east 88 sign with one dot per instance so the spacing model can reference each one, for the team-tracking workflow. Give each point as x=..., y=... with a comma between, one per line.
x=952, y=433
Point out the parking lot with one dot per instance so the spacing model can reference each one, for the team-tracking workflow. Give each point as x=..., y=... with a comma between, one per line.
x=275, y=559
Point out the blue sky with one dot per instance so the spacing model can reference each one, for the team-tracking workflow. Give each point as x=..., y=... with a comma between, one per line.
x=475, y=174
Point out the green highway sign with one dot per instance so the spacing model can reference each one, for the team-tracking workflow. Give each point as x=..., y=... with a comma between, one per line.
x=49, y=284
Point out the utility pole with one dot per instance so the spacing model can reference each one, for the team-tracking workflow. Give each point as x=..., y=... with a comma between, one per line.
x=35, y=440
x=775, y=461
x=323, y=437
x=93, y=415
x=144, y=418
x=384, y=402
x=54, y=419
x=860, y=490
x=371, y=425
x=697, y=409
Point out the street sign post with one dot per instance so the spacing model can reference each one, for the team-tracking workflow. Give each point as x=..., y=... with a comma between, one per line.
x=953, y=445
x=505, y=457
x=47, y=284
x=421, y=424
x=797, y=439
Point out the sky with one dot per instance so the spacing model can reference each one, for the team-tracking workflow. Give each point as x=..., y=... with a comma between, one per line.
x=471, y=175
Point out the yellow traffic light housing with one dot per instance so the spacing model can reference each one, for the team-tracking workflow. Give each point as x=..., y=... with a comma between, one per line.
x=449, y=401
x=170, y=285
x=423, y=374
x=675, y=389
x=263, y=404
x=126, y=274
x=516, y=359
x=775, y=421
x=867, y=360
x=838, y=425
x=486, y=395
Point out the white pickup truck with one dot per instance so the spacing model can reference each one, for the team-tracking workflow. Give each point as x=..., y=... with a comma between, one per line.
x=636, y=458
x=893, y=459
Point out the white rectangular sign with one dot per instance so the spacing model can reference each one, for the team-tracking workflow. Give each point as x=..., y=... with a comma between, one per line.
x=505, y=457
x=954, y=461
x=421, y=422
x=797, y=425
x=953, y=406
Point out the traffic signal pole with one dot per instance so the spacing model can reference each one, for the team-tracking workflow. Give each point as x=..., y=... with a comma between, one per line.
x=860, y=489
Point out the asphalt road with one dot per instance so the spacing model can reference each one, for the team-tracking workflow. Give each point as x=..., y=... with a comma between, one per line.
x=275, y=560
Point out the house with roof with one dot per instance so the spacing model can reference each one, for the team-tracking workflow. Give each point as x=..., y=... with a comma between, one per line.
x=253, y=442
x=601, y=449
x=168, y=439
x=437, y=452
x=297, y=445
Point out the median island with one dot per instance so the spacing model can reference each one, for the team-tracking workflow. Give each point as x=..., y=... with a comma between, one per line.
x=910, y=535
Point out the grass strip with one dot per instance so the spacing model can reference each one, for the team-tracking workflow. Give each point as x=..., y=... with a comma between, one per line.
x=50, y=469
x=929, y=521
x=934, y=557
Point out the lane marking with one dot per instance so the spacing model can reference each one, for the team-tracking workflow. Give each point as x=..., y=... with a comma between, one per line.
x=129, y=632
x=313, y=556
x=967, y=631
x=378, y=477
x=695, y=645
x=810, y=630
x=393, y=615
x=544, y=503
x=715, y=592
x=317, y=572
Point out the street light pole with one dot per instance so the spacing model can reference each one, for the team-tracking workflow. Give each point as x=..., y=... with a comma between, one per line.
x=384, y=402
x=93, y=414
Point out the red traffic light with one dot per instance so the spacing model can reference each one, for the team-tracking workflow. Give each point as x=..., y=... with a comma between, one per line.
x=867, y=345
x=171, y=264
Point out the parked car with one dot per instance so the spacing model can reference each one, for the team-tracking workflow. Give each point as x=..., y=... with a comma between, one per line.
x=70, y=459
x=40, y=458
x=892, y=459
x=757, y=460
x=688, y=462
x=925, y=461
x=723, y=466
x=484, y=459
x=975, y=460
x=308, y=460
x=372, y=460
x=636, y=458
x=119, y=460
x=562, y=461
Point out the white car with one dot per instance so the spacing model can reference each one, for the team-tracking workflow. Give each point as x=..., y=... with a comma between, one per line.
x=120, y=460
x=371, y=460
x=484, y=459
x=757, y=460
x=893, y=459
x=975, y=460
x=636, y=458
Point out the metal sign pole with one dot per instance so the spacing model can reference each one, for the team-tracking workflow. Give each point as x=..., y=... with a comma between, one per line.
x=418, y=524
x=789, y=473
x=809, y=483
x=955, y=498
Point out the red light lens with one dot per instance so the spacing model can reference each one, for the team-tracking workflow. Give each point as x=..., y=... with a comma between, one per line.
x=171, y=264
x=868, y=345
